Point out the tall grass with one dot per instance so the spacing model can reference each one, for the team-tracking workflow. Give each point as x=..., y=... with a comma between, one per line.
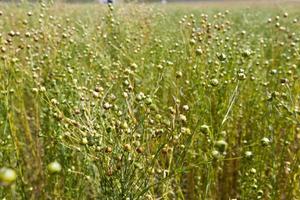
x=142, y=102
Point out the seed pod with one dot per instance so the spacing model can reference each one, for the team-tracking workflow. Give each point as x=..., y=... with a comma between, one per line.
x=182, y=118
x=265, y=141
x=164, y=150
x=7, y=176
x=127, y=147
x=77, y=111
x=284, y=80
x=241, y=76
x=96, y=94
x=84, y=140
x=185, y=107
x=106, y=106
x=178, y=74
x=54, y=167
x=148, y=101
x=215, y=154
x=221, y=56
x=221, y=146
x=199, y=51
x=248, y=154
x=204, y=129
x=246, y=53
x=214, y=82
x=108, y=150
x=140, y=150
x=253, y=171
x=109, y=172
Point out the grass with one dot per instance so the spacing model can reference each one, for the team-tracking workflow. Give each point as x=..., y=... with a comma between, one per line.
x=149, y=102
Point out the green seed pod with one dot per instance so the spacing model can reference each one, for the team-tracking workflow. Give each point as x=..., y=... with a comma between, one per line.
x=248, y=154
x=182, y=118
x=221, y=56
x=54, y=167
x=253, y=171
x=127, y=147
x=254, y=186
x=84, y=141
x=7, y=176
x=223, y=134
x=215, y=154
x=148, y=101
x=199, y=51
x=260, y=192
x=214, y=82
x=265, y=141
x=178, y=74
x=241, y=76
x=185, y=107
x=221, y=145
x=246, y=53
x=204, y=129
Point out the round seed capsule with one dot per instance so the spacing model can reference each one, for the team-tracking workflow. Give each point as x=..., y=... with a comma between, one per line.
x=265, y=141
x=214, y=82
x=221, y=145
x=7, y=176
x=204, y=129
x=127, y=147
x=84, y=140
x=215, y=154
x=248, y=154
x=54, y=167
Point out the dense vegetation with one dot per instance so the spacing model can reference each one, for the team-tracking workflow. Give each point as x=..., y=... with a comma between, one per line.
x=141, y=102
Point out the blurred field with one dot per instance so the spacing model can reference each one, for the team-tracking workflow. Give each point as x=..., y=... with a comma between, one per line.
x=149, y=101
x=238, y=4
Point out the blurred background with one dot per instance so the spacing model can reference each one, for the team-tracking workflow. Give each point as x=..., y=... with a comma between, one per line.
x=156, y=1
